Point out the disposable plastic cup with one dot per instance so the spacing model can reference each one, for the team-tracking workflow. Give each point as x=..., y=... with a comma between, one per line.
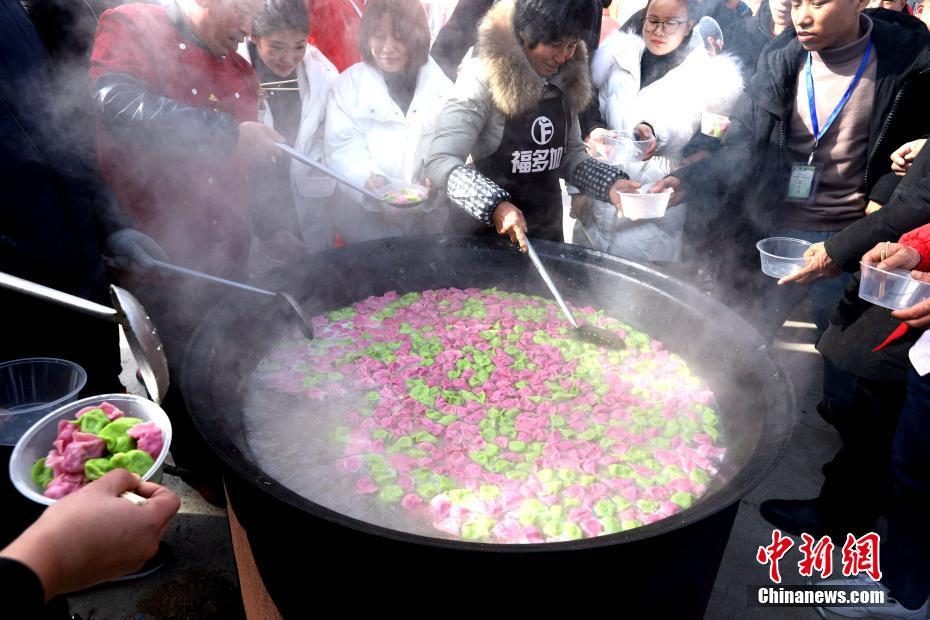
x=31, y=388
x=37, y=441
x=782, y=256
x=893, y=288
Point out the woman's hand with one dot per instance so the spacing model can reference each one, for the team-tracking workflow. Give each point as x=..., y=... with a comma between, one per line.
x=888, y=255
x=94, y=535
x=644, y=132
x=375, y=182
x=621, y=186
x=669, y=182
x=819, y=266
x=580, y=204
x=902, y=158
x=508, y=220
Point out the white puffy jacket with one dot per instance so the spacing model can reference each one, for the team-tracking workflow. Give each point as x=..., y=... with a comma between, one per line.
x=673, y=104
x=366, y=131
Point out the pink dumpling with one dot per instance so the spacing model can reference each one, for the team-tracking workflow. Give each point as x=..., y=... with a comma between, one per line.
x=148, y=438
x=111, y=410
x=64, y=485
x=65, y=433
x=54, y=462
x=84, y=446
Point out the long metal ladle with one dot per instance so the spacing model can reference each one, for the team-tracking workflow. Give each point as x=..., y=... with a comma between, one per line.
x=584, y=331
x=143, y=338
x=308, y=161
x=303, y=321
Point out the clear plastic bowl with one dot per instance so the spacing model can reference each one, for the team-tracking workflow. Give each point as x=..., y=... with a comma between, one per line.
x=645, y=206
x=37, y=442
x=617, y=150
x=782, y=256
x=31, y=388
x=894, y=289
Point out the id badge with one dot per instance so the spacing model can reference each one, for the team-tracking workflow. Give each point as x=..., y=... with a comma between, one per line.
x=802, y=185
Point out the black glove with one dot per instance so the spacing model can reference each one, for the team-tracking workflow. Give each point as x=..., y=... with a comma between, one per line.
x=130, y=249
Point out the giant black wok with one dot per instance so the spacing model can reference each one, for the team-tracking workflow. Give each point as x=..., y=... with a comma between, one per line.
x=675, y=559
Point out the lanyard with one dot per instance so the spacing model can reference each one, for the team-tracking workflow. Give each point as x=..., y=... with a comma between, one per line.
x=818, y=132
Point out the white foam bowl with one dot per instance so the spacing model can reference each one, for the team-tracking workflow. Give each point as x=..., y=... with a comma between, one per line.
x=782, y=256
x=37, y=441
x=645, y=206
x=894, y=289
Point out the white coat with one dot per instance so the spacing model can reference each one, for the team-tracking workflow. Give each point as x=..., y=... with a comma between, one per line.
x=366, y=131
x=315, y=78
x=673, y=106
x=368, y=134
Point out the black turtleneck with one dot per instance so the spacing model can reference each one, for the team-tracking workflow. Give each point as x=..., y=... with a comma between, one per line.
x=653, y=68
x=401, y=86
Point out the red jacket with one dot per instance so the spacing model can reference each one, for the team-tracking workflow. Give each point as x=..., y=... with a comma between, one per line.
x=919, y=239
x=334, y=30
x=195, y=208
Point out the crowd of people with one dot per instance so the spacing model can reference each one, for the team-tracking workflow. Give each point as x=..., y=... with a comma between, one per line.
x=794, y=118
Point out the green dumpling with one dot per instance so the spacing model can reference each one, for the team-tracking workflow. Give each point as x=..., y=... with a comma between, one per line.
x=93, y=421
x=41, y=474
x=115, y=435
x=136, y=461
x=96, y=468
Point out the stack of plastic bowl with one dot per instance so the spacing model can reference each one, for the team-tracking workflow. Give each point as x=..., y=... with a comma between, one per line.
x=31, y=388
x=892, y=288
x=782, y=256
x=37, y=441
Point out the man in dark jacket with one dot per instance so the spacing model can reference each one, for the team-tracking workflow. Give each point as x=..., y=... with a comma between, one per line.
x=759, y=149
x=866, y=341
x=755, y=160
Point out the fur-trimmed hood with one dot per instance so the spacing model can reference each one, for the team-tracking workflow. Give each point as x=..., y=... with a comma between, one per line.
x=515, y=86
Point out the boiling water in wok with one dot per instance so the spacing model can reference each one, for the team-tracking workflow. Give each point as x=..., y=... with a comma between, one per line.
x=475, y=415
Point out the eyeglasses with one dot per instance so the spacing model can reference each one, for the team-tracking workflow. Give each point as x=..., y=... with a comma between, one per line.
x=669, y=26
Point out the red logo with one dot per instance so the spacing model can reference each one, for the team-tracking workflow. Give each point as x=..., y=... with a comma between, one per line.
x=774, y=553
x=817, y=556
x=860, y=555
